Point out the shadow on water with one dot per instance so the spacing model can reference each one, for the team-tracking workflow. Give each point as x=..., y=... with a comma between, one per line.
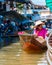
x=8, y=41
x=35, y=51
x=32, y=50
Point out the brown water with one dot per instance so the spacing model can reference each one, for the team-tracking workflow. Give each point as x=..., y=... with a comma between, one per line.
x=14, y=55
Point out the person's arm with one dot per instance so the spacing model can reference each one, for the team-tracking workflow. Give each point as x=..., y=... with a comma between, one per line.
x=40, y=37
x=5, y=30
x=35, y=34
x=47, y=34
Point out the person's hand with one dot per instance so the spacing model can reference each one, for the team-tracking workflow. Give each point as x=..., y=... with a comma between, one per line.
x=47, y=29
x=47, y=35
x=35, y=36
x=40, y=37
x=32, y=27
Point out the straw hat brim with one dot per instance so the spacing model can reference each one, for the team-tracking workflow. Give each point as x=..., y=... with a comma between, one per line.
x=38, y=23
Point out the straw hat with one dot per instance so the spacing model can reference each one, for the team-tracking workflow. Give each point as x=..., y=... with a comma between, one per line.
x=38, y=23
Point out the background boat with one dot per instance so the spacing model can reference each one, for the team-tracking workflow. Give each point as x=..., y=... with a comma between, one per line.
x=49, y=51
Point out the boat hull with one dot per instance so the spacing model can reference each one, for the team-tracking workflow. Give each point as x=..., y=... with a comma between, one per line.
x=33, y=48
x=29, y=44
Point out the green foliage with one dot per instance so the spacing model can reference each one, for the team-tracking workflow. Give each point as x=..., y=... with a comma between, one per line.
x=20, y=5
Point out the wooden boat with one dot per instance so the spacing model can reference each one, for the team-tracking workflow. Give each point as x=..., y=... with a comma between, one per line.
x=49, y=52
x=29, y=43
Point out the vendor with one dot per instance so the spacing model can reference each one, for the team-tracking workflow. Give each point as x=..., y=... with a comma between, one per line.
x=39, y=31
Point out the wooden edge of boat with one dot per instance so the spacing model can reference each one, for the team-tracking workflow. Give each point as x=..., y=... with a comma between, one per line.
x=49, y=51
x=49, y=58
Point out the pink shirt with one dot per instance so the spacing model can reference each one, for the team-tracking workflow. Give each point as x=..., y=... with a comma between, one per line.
x=41, y=32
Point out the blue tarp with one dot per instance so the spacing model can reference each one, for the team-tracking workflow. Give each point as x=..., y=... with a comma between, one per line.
x=22, y=0
x=2, y=0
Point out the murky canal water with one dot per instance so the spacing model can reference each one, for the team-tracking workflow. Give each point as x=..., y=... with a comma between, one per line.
x=14, y=55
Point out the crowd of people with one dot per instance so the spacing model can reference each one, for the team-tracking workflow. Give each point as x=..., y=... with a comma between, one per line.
x=7, y=27
x=10, y=27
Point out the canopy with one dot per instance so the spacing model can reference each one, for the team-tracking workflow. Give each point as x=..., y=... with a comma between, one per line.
x=22, y=1
x=1, y=0
x=38, y=2
x=49, y=4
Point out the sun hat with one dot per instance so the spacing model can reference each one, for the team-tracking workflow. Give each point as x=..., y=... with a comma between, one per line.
x=38, y=23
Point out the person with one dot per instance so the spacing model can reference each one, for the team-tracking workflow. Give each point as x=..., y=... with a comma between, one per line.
x=39, y=31
x=15, y=9
x=1, y=35
x=25, y=9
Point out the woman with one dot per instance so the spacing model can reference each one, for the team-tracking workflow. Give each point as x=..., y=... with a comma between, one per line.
x=39, y=31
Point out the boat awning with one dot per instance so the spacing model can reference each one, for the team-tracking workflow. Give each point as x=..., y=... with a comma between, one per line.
x=49, y=4
x=22, y=1
x=1, y=0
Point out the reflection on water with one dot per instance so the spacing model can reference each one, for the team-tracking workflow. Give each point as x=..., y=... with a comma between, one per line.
x=14, y=55
x=33, y=59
